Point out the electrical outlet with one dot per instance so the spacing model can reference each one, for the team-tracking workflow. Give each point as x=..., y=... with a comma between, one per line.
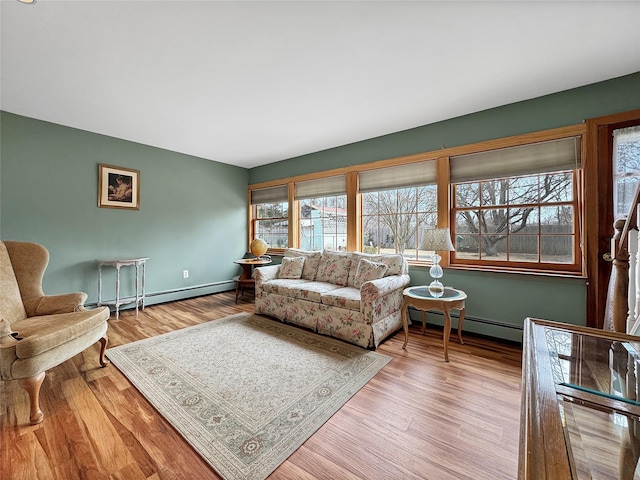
x=185, y=274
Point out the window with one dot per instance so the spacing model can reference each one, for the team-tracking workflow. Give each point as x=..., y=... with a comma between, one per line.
x=515, y=220
x=393, y=221
x=510, y=204
x=323, y=223
x=398, y=204
x=520, y=219
x=270, y=215
x=322, y=220
x=626, y=164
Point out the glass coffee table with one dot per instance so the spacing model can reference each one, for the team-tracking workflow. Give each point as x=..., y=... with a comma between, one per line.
x=580, y=413
x=422, y=299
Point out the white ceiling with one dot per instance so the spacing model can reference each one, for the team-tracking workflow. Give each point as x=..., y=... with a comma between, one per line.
x=249, y=83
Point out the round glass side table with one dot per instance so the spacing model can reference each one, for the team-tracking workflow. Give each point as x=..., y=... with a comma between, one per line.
x=422, y=299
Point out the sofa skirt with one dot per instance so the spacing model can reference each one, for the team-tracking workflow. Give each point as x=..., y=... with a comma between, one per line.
x=342, y=323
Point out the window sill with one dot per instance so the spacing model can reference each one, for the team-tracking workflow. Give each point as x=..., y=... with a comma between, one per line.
x=516, y=271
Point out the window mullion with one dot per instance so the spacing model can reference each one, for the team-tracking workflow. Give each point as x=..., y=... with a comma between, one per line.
x=294, y=216
x=354, y=213
x=444, y=201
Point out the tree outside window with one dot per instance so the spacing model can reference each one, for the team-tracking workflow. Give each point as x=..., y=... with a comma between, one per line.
x=393, y=221
x=517, y=219
x=271, y=223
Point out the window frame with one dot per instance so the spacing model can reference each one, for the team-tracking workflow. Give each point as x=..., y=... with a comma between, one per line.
x=255, y=219
x=442, y=158
x=399, y=211
x=574, y=267
x=323, y=217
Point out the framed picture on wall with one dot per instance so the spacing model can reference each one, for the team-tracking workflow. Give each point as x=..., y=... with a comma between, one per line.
x=118, y=187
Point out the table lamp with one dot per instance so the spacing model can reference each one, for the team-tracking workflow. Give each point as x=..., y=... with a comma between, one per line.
x=437, y=239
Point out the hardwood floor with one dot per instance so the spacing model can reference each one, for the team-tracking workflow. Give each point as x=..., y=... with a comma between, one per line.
x=419, y=418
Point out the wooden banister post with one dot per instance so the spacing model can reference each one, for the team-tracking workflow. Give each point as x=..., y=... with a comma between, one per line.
x=620, y=287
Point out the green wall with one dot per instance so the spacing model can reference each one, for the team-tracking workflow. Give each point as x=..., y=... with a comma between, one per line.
x=193, y=211
x=493, y=298
x=558, y=110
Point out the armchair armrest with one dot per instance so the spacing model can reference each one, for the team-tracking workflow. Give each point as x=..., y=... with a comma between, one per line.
x=7, y=350
x=52, y=304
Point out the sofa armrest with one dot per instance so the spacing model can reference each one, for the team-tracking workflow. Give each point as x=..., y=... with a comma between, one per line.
x=52, y=304
x=380, y=298
x=383, y=286
x=264, y=274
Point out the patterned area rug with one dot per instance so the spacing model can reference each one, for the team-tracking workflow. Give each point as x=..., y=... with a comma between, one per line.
x=246, y=391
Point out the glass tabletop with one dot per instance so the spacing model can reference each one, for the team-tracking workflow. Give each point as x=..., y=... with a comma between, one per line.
x=601, y=366
x=423, y=292
x=598, y=396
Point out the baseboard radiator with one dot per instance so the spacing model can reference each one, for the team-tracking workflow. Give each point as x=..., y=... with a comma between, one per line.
x=179, y=293
x=486, y=321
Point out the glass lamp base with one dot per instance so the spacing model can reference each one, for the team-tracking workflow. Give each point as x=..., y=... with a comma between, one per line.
x=436, y=289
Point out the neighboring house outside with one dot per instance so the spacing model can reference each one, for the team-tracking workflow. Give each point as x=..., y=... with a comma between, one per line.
x=323, y=227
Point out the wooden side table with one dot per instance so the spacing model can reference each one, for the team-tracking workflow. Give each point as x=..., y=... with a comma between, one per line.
x=117, y=264
x=245, y=279
x=421, y=298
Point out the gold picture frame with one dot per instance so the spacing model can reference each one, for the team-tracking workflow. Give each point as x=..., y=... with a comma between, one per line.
x=118, y=187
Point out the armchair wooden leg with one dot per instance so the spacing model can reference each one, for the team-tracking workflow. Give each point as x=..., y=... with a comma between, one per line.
x=32, y=386
x=104, y=361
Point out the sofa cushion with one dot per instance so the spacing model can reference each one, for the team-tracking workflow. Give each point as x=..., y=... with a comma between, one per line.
x=311, y=291
x=311, y=261
x=291, y=267
x=334, y=268
x=40, y=334
x=394, y=262
x=367, y=270
x=283, y=286
x=346, y=297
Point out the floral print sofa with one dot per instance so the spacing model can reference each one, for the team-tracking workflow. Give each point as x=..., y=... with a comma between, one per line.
x=352, y=296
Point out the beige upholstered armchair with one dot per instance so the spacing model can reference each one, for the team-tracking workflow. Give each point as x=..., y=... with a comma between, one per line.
x=38, y=331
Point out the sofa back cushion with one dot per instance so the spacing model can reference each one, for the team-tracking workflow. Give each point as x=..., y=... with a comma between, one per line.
x=334, y=268
x=396, y=264
x=367, y=270
x=291, y=267
x=311, y=261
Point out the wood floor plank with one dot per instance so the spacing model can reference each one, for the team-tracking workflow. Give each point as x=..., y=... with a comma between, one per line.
x=419, y=418
x=27, y=453
x=112, y=455
x=305, y=463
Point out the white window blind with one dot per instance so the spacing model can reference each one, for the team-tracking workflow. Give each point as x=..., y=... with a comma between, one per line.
x=275, y=194
x=321, y=187
x=626, y=135
x=542, y=157
x=401, y=176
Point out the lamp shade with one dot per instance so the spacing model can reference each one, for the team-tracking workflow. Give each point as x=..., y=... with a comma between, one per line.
x=437, y=239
